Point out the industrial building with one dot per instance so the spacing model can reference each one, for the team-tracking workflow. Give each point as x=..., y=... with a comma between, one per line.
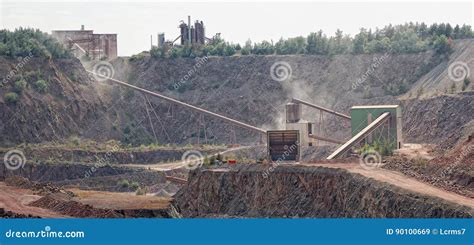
x=86, y=42
x=369, y=124
x=192, y=34
x=188, y=35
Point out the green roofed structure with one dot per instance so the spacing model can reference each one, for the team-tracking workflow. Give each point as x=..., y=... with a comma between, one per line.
x=389, y=132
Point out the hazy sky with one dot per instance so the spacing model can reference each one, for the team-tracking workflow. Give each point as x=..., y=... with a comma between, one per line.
x=134, y=22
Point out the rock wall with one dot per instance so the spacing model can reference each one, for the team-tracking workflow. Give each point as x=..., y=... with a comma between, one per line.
x=299, y=191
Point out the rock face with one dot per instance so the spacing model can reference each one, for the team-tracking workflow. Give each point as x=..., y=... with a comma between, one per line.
x=441, y=120
x=69, y=106
x=242, y=191
x=240, y=87
x=449, y=74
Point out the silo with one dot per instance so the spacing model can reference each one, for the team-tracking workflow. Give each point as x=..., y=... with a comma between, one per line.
x=293, y=112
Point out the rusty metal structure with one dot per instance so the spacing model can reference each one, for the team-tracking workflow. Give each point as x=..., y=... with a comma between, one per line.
x=190, y=34
x=283, y=145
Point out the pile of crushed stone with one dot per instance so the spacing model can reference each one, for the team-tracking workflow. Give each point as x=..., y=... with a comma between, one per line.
x=38, y=188
x=73, y=208
x=11, y=215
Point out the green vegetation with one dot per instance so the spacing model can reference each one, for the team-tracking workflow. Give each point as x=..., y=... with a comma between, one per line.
x=141, y=191
x=41, y=86
x=406, y=38
x=124, y=183
x=134, y=185
x=465, y=84
x=30, y=42
x=76, y=141
x=384, y=148
x=20, y=85
x=11, y=97
x=420, y=162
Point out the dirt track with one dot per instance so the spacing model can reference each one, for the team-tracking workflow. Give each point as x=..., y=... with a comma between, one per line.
x=115, y=200
x=16, y=200
x=180, y=164
x=402, y=181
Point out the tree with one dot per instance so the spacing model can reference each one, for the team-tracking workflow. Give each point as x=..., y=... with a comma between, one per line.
x=41, y=86
x=379, y=46
x=247, y=48
x=360, y=40
x=456, y=31
x=263, y=48
x=229, y=50
x=407, y=42
x=317, y=43
x=442, y=46
x=30, y=42
x=291, y=46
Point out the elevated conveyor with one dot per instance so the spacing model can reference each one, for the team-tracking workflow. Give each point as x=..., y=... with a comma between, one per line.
x=177, y=102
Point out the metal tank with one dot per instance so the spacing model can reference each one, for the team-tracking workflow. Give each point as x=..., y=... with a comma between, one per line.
x=293, y=112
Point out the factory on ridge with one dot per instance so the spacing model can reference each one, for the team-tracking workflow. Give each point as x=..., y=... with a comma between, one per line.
x=87, y=43
x=188, y=35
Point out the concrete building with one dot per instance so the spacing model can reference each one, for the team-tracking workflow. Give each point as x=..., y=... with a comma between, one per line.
x=86, y=42
x=294, y=122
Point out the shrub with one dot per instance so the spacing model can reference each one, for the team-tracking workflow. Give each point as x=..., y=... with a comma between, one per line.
x=76, y=141
x=465, y=83
x=384, y=148
x=245, y=51
x=41, y=86
x=229, y=50
x=141, y=191
x=134, y=185
x=11, y=97
x=124, y=183
x=20, y=85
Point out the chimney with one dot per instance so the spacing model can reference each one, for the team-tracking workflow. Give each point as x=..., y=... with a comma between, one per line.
x=189, y=29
